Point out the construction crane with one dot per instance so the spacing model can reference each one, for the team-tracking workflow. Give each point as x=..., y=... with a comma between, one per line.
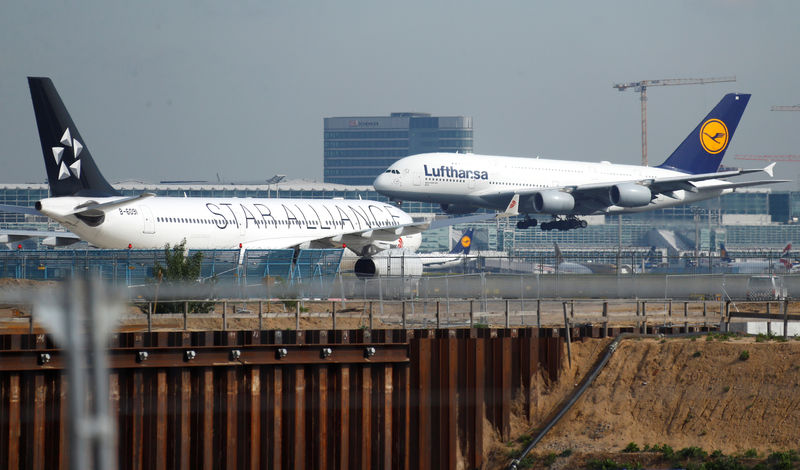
x=770, y=158
x=786, y=108
x=641, y=86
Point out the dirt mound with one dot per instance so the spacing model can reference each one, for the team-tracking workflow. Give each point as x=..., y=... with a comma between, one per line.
x=732, y=395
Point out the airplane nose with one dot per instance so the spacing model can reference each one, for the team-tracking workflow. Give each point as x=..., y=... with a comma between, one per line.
x=382, y=182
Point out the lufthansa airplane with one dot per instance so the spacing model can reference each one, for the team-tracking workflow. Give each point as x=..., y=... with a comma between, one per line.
x=463, y=183
x=86, y=204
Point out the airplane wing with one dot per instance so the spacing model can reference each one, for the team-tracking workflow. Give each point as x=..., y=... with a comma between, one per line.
x=596, y=194
x=368, y=242
x=19, y=210
x=50, y=238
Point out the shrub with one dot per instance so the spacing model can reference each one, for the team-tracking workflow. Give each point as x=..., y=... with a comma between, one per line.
x=179, y=269
x=744, y=355
x=605, y=464
x=696, y=354
x=631, y=447
x=692, y=453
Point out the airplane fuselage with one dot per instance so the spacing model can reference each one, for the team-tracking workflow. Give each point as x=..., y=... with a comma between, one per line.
x=484, y=181
x=225, y=223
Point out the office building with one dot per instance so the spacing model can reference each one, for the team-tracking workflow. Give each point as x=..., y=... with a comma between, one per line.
x=359, y=148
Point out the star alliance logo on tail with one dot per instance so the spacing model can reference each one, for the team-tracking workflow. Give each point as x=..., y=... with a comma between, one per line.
x=714, y=136
x=58, y=154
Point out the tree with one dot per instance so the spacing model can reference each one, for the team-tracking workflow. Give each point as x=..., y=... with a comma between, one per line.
x=179, y=269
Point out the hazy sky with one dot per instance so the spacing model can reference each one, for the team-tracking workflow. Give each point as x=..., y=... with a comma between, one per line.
x=188, y=89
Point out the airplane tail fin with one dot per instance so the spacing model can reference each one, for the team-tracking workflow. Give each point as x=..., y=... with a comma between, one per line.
x=559, y=256
x=786, y=257
x=464, y=243
x=704, y=147
x=71, y=171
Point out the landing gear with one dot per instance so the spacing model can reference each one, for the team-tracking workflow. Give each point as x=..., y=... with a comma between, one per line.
x=563, y=224
x=527, y=223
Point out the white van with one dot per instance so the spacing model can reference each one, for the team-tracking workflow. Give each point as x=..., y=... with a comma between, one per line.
x=766, y=287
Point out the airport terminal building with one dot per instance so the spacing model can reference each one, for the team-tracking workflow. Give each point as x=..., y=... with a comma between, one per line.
x=359, y=148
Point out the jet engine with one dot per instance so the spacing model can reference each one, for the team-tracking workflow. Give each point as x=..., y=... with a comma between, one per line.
x=630, y=195
x=406, y=265
x=553, y=202
x=458, y=209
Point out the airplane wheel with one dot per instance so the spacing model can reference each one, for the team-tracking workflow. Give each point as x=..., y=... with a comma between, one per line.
x=522, y=225
x=583, y=224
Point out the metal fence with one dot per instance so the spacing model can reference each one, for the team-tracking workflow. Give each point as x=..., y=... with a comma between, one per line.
x=135, y=267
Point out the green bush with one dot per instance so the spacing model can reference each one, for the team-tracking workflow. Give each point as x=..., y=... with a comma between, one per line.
x=179, y=269
x=692, y=453
x=631, y=447
x=605, y=464
x=744, y=355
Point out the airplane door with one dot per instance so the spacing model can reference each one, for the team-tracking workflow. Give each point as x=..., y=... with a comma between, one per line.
x=416, y=178
x=147, y=217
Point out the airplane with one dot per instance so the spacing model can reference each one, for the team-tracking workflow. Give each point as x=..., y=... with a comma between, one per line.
x=460, y=252
x=564, y=190
x=783, y=264
x=404, y=261
x=573, y=267
x=90, y=208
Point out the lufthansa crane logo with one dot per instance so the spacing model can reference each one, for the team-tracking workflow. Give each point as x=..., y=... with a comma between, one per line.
x=465, y=241
x=714, y=136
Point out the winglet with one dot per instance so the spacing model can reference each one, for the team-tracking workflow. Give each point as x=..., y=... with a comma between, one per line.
x=512, y=209
x=769, y=169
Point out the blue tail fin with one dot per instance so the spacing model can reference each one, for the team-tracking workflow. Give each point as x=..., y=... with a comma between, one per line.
x=723, y=253
x=703, y=149
x=464, y=243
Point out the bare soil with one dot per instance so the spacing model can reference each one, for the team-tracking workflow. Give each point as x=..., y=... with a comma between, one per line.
x=679, y=392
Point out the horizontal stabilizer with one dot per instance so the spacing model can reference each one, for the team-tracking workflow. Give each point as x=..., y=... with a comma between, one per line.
x=93, y=208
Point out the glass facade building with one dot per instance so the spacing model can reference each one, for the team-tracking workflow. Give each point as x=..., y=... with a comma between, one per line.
x=357, y=149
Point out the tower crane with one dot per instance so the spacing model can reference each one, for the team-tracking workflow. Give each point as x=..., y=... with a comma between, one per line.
x=641, y=86
x=786, y=108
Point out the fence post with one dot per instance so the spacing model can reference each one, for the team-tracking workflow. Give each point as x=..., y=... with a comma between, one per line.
x=333, y=315
x=438, y=318
x=538, y=313
x=566, y=328
x=705, y=316
x=605, y=319
x=686, y=317
x=370, y=315
x=260, y=317
x=186, y=316
x=785, y=319
x=507, y=313
x=297, y=316
x=769, y=320
x=149, y=317
x=404, y=312
x=471, y=312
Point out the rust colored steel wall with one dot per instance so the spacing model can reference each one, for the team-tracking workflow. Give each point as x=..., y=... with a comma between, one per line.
x=419, y=402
